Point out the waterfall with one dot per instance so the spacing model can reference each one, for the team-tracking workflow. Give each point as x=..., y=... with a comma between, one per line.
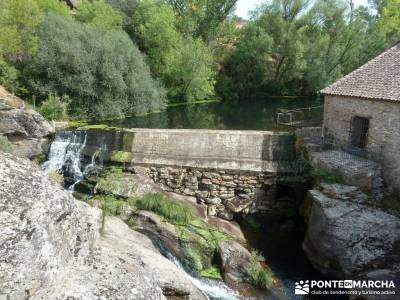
x=214, y=289
x=66, y=156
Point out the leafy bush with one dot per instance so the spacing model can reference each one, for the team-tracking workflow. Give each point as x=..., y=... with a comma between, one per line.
x=99, y=14
x=171, y=210
x=18, y=22
x=54, y=108
x=259, y=276
x=185, y=64
x=5, y=144
x=58, y=7
x=8, y=75
x=103, y=73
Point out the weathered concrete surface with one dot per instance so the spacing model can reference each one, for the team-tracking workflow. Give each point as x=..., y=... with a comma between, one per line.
x=346, y=237
x=383, y=138
x=51, y=246
x=258, y=151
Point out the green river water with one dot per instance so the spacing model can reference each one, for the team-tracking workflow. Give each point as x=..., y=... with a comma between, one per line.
x=256, y=115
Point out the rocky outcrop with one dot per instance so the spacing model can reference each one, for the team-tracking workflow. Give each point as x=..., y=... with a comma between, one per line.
x=25, y=128
x=346, y=236
x=54, y=247
x=235, y=262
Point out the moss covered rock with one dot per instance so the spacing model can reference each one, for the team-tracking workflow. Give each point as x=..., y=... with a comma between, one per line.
x=115, y=182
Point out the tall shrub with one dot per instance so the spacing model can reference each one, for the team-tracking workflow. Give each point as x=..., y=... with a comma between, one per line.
x=102, y=72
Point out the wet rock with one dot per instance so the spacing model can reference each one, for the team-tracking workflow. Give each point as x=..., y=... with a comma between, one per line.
x=346, y=237
x=235, y=262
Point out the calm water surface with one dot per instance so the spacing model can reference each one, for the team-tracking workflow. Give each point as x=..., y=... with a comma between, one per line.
x=259, y=115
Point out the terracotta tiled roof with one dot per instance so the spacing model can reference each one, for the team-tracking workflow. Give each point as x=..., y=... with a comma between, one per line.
x=377, y=79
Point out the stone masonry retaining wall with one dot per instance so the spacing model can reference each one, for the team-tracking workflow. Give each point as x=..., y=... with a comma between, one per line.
x=224, y=192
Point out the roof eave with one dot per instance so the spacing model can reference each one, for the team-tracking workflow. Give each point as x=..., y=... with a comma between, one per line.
x=360, y=97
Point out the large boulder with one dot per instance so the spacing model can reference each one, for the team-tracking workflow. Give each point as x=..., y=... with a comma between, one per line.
x=25, y=128
x=346, y=236
x=55, y=247
x=235, y=262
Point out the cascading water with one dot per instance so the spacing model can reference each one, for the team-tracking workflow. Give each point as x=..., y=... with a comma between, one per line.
x=66, y=156
x=214, y=289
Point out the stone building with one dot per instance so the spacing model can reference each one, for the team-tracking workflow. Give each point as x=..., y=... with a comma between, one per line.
x=362, y=112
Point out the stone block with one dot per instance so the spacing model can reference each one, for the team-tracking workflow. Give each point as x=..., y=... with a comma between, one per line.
x=214, y=200
x=212, y=210
x=226, y=214
x=238, y=204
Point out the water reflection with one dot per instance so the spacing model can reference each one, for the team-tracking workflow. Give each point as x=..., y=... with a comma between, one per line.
x=258, y=115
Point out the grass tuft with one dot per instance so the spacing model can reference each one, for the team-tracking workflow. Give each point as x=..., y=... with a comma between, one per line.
x=212, y=272
x=5, y=144
x=171, y=210
x=260, y=276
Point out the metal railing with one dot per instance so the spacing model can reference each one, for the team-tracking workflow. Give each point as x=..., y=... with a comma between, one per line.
x=300, y=117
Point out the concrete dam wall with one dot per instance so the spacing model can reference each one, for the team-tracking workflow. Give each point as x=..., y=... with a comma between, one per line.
x=258, y=151
x=226, y=171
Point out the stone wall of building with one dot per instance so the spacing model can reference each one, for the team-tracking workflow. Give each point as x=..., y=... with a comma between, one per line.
x=224, y=192
x=383, y=142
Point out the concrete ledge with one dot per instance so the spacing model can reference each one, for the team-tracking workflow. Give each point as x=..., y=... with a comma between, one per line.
x=259, y=151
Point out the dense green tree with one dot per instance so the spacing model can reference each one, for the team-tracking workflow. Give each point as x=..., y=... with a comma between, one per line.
x=126, y=8
x=102, y=72
x=99, y=14
x=248, y=67
x=54, y=6
x=390, y=21
x=184, y=64
x=202, y=18
x=8, y=75
x=269, y=57
x=300, y=47
x=18, y=22
x=190, y=71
